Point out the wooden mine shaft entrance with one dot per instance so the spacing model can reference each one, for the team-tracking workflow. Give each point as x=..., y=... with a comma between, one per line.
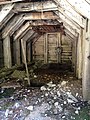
x=53, y=48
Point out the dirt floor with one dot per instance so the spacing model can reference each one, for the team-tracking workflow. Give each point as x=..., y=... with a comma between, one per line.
x=54, y=94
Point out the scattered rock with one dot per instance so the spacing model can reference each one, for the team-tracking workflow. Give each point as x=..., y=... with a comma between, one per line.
x=43, y=88
x=30, y=108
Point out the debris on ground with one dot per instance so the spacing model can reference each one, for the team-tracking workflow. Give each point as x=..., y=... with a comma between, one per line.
x=59, y=99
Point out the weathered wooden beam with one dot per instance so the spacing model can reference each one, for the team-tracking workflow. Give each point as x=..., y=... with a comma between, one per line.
x=28, y=51
x=86, y=65
x=7, y=52
x=67, y=21
x=6, y=14
x=69, y=27
x=46, y=49
x=21, y=30
x=17, y=52
x=65, y=9
x=28, y=35
x=33, y=37
x=67, y=31
x=2, y=2
x=12, y=25
x=23, y=33
x=35, y=6
x=74, y=8
x=79, y=54
x=25, y=62
x=82, y=7
x=5, y=11
x=40, y=16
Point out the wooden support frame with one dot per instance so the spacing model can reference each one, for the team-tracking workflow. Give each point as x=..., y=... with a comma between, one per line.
x=79, y=55
x=46, y=49
x=40, y=16
x=86, y=65
x=35, y=6
x=7, y=52
x=13, y=25
x=25, y=62
x=21, y=30
x=17, y=52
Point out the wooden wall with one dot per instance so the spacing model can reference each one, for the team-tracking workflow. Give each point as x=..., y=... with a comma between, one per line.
x=54, y=48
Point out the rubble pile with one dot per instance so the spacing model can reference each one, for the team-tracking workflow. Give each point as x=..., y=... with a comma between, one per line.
x=50, y=102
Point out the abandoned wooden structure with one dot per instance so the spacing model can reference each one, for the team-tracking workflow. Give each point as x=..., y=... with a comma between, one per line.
x=53, y=31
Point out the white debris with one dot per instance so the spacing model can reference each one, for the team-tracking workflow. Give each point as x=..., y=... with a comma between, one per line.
x=46, y=94
x=35, y=76
x=76, y=94
x=71, y=85
x=58, y=93
x=48, y=89
x=77, y=112
x=63, y=83
x=68, y=93
x=11, y=112
x=63, y=116
x=78, y=108
x=70, y=101
x=16, y=105
x=71, y=77
x=65, y=102
x=28, y=91
x=2, y=90
x=43, y=88
x=56, y=104
x=25, y=78
x=55, y=97
x=7, y=112
x=30, y=108
x=73, y=118
x=12, y=97
x=71, y=97
x=50, y=84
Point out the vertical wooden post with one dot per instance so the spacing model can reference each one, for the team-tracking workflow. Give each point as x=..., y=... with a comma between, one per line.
x=86, y=67
x=17, y=47
x=57, y=47
x=46, y=49
x=79, y=54
x=25, y=62
x=60, y=42
x=7, y=52
x=24, y=44
x=28, y=51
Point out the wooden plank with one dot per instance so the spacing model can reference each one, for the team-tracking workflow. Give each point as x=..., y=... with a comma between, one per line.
x=2, y=2
x=63, y=10
x=21, y=30
x=25, y=62
x=82, y=8
x=67, y=21
x=5, y=11
x=7, y=52
x=86, y=65
x=79, y=55
x=35, y=6
x=28, y=51
x=17, y=52
x=40, y=16
x=23, y=33
x=12, y=26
